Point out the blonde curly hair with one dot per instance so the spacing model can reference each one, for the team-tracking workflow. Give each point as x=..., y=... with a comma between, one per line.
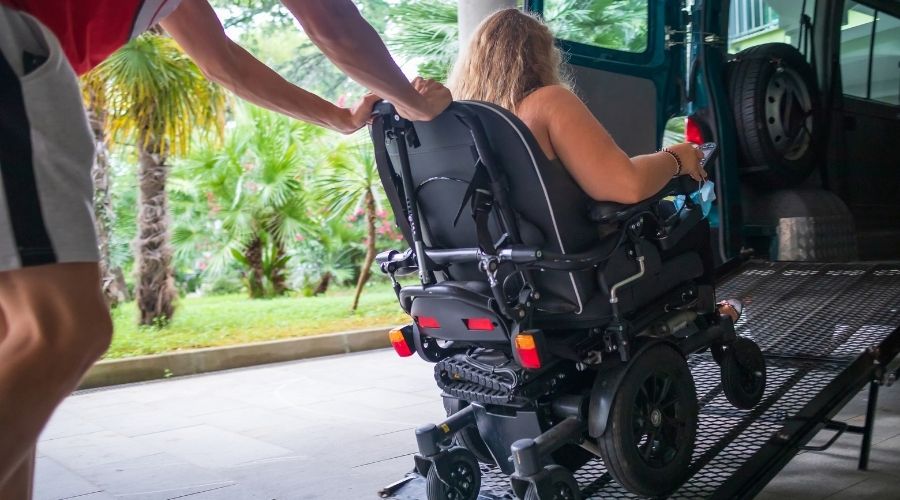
x=511, y=55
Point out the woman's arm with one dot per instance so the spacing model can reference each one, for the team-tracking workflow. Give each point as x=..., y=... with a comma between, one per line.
x=593, y=158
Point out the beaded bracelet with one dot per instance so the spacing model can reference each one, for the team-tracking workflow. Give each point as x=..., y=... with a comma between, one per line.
x=677, y=161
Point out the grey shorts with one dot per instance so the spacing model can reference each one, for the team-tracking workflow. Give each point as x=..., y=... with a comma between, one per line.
x=46, y=151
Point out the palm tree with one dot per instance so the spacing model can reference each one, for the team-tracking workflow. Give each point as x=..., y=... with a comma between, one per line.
x=155, y=97
x=353, y=183
x=614, y=24
x=253, y=187
x=112, y=280
x=327, y=257
x=427, y=32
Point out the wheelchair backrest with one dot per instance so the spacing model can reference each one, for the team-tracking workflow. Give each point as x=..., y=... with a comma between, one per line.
x=546, y=208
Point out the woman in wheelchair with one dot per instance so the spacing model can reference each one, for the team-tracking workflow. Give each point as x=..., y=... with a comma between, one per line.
x=561, y=311
x=512, y=61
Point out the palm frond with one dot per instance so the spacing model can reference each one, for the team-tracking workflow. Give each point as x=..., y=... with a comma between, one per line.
x=154, y=94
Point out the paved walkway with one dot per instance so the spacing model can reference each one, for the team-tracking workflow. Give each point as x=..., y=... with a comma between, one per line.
x=331, y=428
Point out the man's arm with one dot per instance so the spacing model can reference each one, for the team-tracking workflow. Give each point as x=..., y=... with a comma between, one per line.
x=342, y=34
x=195, y=26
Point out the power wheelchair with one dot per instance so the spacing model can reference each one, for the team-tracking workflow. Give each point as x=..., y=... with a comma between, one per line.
x=559, y=327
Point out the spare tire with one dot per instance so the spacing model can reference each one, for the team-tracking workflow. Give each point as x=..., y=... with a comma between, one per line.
x=775, y=101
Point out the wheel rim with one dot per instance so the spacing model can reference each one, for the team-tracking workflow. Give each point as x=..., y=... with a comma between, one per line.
x=750, y=373
x=749, y=381
x=562, y=491
x=788, y=113
x=659, y=419
x=461, y=483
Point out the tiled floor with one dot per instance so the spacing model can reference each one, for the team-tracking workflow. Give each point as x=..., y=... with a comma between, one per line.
x=331, y=428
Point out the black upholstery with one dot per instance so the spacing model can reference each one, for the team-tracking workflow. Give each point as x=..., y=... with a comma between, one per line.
x=445, y=162
x=550, y=212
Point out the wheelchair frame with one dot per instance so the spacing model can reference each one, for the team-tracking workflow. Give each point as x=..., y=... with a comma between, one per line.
x=578, y=416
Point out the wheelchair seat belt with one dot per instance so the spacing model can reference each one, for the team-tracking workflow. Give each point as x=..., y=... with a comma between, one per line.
x=482, y=202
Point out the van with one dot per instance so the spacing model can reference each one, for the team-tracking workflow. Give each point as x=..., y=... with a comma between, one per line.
x=802, y=96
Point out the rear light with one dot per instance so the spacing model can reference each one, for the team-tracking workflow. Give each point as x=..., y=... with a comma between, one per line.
x=692, y=131
x=398, y=340
x=526, y=348
x=483, y=324
x=427, y=322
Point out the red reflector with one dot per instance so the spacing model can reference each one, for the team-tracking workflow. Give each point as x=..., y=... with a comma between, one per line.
x=484, y=324
x=427, y=322
x=692, y=132
x=527, y=350
x=399, y=343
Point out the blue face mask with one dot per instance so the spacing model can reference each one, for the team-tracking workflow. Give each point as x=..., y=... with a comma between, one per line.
x=704, y=197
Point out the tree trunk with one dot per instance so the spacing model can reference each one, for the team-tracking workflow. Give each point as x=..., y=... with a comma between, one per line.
x=155, y=289
x=254, y=255
x=113, y=281
x=366, y=271
x=279, y=277
x=322, y=287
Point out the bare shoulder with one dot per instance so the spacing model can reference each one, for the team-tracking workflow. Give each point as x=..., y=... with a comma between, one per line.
x=540, y=109
x=551, y=94
x=552, y=101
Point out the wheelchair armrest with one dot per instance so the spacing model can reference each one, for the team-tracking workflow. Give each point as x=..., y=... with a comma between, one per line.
x=688, y=217
x=606, y=212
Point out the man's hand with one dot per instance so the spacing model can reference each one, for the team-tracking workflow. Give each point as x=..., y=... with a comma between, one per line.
x=434, y=100
x=359, y=114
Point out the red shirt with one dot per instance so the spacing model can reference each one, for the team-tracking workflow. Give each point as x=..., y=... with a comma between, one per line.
x=90, y=30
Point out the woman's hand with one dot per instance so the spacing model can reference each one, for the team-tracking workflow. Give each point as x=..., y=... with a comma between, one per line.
x=360, y=114
x=690, y=157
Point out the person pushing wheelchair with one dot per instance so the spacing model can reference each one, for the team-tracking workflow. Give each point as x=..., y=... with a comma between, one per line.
x=54, y=322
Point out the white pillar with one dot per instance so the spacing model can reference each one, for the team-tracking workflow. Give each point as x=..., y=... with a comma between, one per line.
x=472, y=12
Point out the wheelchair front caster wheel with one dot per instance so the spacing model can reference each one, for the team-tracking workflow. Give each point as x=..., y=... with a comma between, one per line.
x=463, y=479
x=649, y=437
x=743, y=373
x=562, y=486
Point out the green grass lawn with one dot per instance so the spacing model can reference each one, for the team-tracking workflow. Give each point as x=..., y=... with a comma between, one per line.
x=235, y=319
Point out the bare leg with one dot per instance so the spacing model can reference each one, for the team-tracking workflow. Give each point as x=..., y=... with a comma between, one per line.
x=56, y=326
x=20, y=484
x=731, y=308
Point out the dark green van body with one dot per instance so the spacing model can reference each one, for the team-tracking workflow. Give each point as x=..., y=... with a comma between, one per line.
x=681, y=71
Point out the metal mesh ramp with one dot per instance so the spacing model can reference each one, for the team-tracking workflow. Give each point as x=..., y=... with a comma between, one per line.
x=813, y=322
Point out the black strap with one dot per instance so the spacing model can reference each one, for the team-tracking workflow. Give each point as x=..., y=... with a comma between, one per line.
x=481, y=201
x=482, y=204
x=389, y=177
x=479, y=180
x=18, y=172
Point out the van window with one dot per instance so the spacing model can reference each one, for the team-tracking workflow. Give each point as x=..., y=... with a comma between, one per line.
x=870, y=54
x=886, y=60
x=610, y=24
x=755, y=22
x=856, y=41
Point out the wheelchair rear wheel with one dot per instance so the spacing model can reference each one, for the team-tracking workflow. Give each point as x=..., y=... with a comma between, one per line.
x=743, y=373
x=649, y=439
x=464, y=479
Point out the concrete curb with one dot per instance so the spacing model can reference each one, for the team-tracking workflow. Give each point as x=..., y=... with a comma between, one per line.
x=143, y=368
